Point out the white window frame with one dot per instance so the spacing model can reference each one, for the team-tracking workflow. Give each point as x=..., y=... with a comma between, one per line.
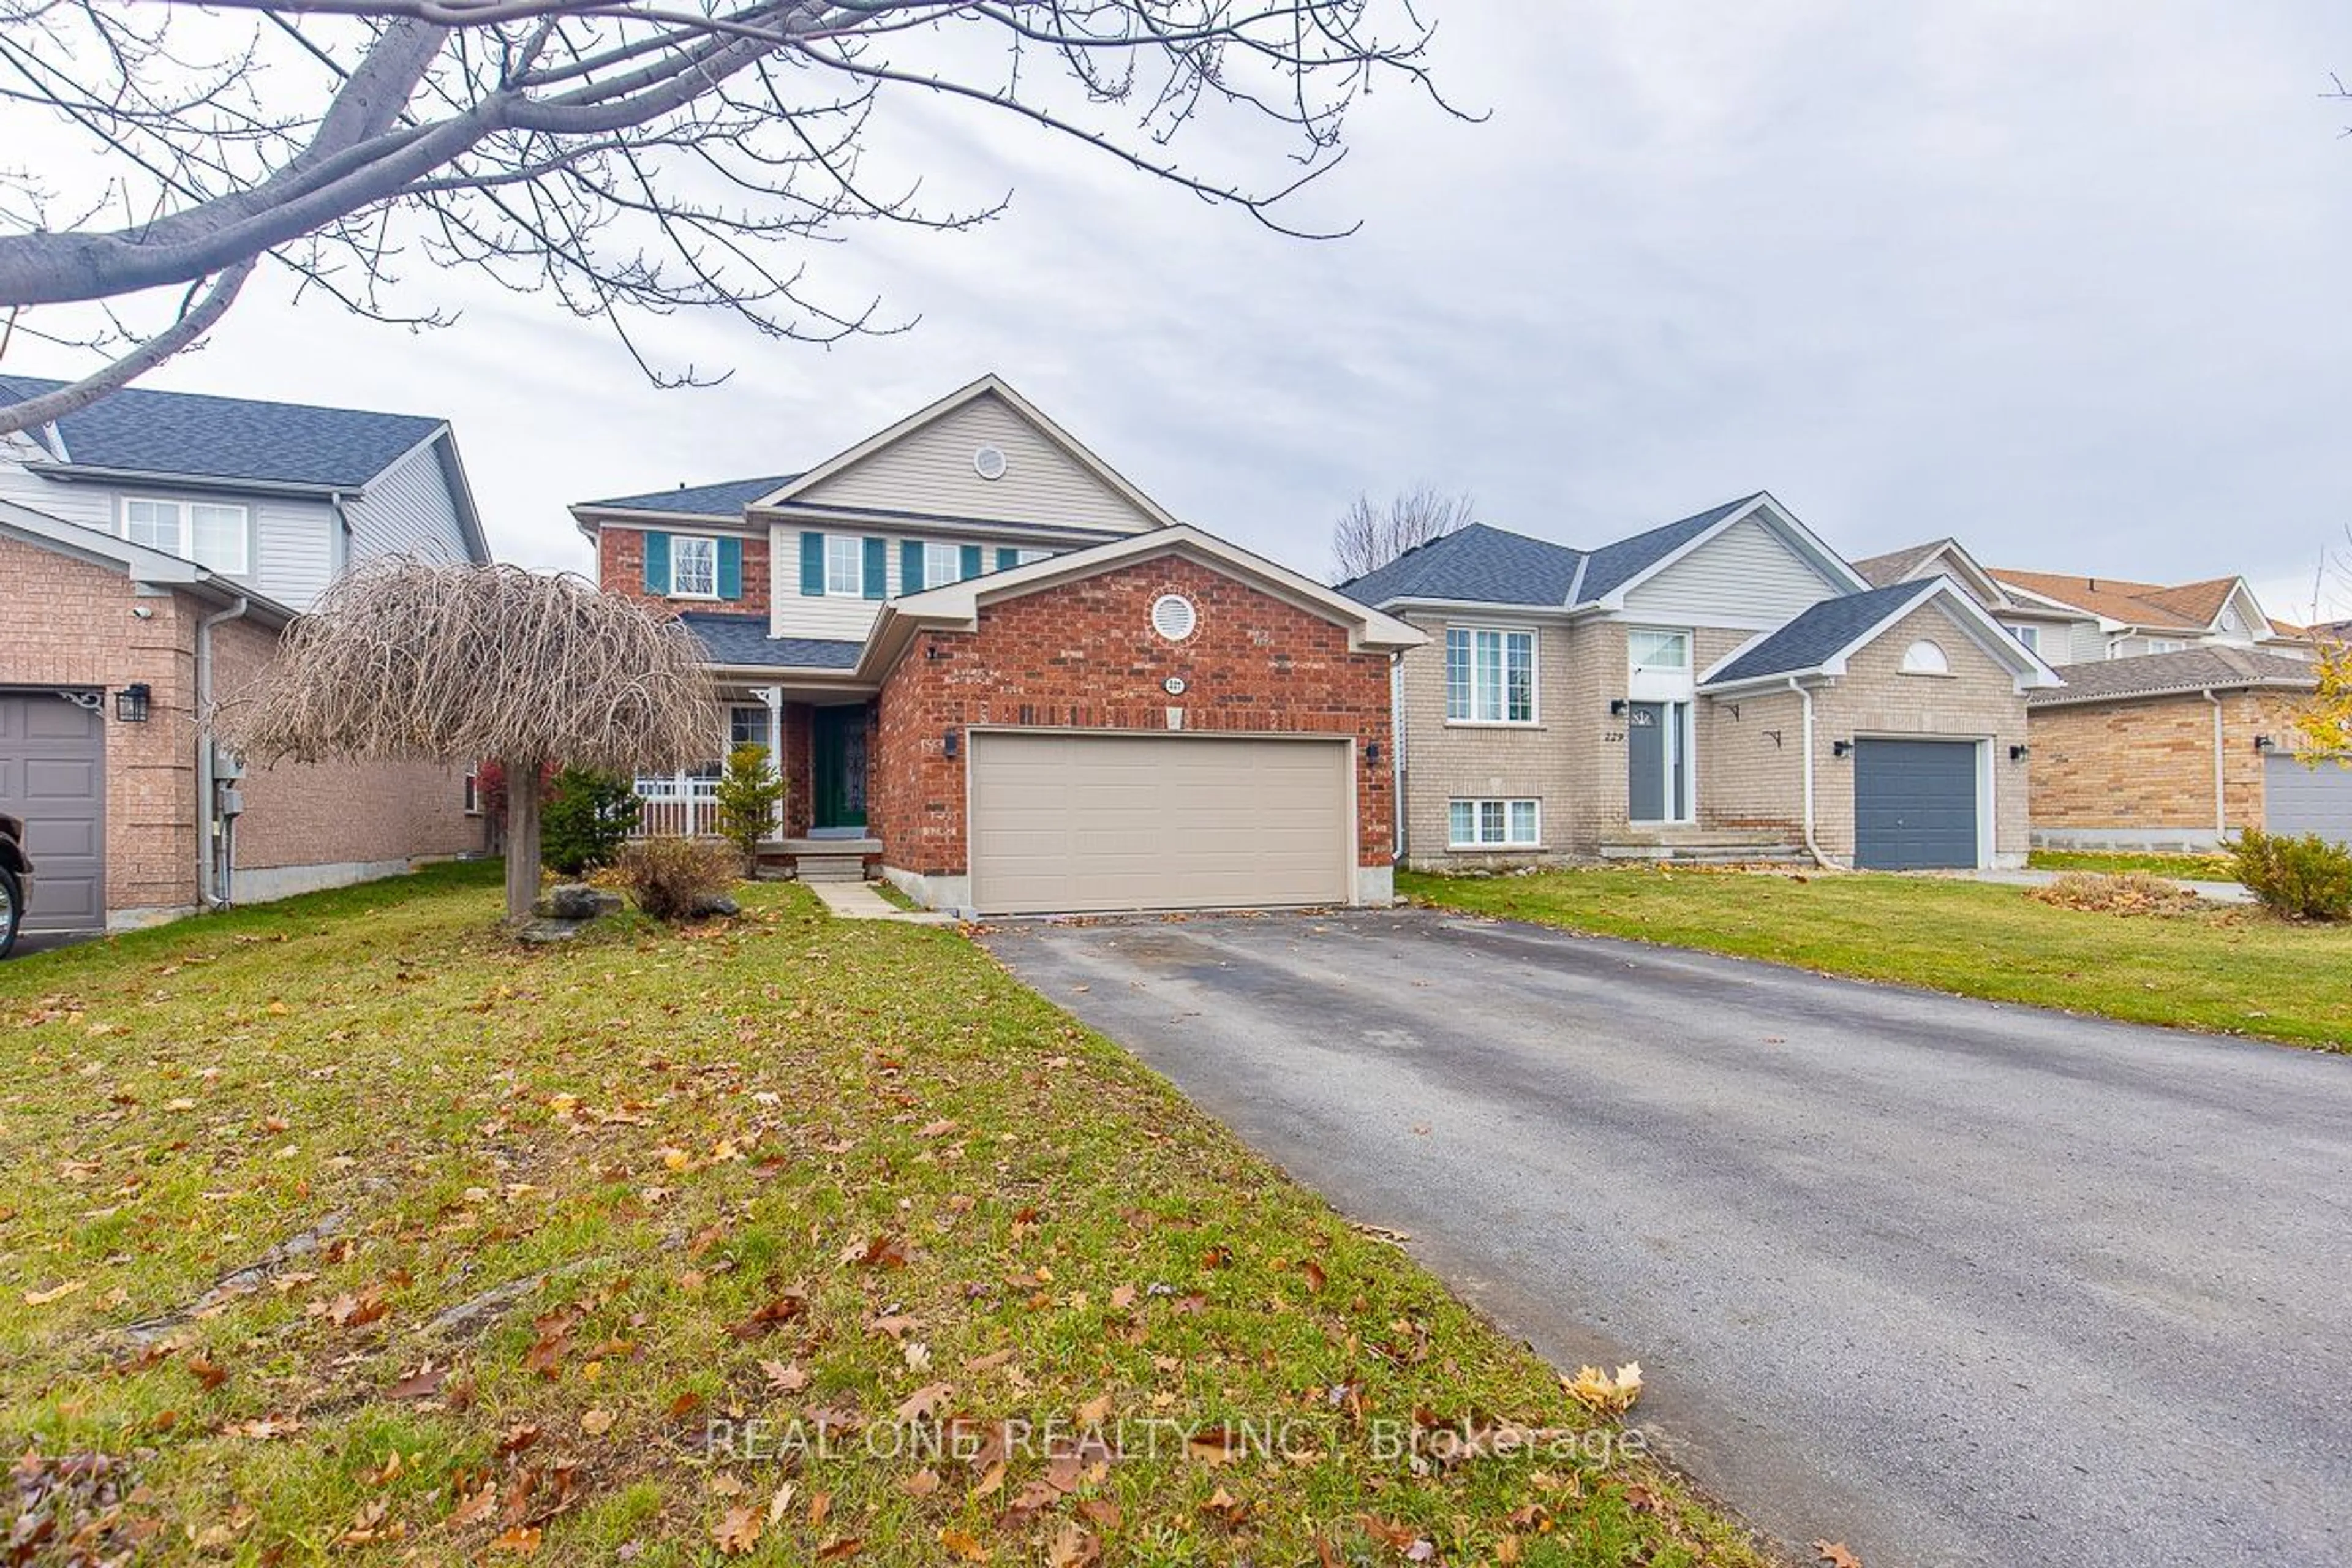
x=1507, y=807
x=1675, y=635
x=2166, y=645
x=1023, y=557
x=184, y=529
x=942, y=563
x=840, y=548
x=1535, y=678
x=2029, y=638
x=707, y=546
x=1925, y=655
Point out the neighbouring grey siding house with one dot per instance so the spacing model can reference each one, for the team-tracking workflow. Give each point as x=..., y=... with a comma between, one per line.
x=1723, y=688
x=277, y=497
x=154, y=545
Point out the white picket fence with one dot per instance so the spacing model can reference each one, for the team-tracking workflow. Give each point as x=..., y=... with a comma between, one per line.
x=676, y=805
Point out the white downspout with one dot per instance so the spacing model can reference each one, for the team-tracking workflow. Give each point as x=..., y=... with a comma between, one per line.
x=1396, y=758
x=2221, y=799
x=209, y=894
x=1813, y=845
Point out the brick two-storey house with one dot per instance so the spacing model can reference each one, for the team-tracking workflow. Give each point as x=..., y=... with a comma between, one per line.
x=153, y=546
x=994, y=671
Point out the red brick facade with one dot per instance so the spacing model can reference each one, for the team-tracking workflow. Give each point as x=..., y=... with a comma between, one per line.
x=73, y=624
x=621, y=569
x=1084, y=655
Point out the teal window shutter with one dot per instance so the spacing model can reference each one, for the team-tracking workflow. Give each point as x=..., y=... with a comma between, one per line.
x=731, y=568
x=878, y=568
x=813, y=565
x=972, y=560
x=910, y=567
x=1007, y=558
x=656, y=563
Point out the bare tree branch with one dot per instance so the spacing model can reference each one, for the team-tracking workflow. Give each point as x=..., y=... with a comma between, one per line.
x=198, y=311
x=1368, y=537
x=631, y=158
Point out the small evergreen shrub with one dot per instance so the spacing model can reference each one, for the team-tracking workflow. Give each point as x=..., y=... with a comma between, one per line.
x=677, y=879
x=2305, y=878
x=748, y=795
x=587, y=818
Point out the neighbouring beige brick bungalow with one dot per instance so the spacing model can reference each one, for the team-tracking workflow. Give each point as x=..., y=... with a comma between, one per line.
x=2178, y=750
x=1724, y=688
x=153, y=547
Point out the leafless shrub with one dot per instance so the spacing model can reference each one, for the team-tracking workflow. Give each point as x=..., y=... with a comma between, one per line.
x=2116, y=893
x=676, y=878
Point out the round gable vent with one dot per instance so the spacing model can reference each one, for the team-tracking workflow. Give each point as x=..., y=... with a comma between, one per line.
x=989, y=463
x=1173, y=617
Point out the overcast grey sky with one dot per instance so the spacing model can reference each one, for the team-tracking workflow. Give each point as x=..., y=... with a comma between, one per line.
x=2066, y=281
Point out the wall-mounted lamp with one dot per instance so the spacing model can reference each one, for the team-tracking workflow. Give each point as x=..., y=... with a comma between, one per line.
x=952, y=744
x=2264, y=743
x=2018, y=752
x=1841, y=747
x=1372, y=752
x=130, y=703
x=1616, y=707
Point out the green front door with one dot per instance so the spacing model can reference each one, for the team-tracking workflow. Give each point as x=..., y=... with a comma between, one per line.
x=840, y=767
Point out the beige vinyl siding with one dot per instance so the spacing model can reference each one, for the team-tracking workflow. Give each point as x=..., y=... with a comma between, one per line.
x=931, y=470
x=1744, y=574
x=793, y=614
x=2086, y=643
x=407, y=509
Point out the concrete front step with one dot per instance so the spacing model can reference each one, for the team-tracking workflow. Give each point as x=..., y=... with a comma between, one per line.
x=1703, y=847
x=831, y=867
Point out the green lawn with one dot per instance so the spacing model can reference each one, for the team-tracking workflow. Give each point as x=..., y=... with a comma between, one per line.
x=2237, y=971
x=2188, y=868
x=564, y=1210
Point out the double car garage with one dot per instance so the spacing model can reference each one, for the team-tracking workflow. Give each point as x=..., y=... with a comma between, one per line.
x=1074, y=822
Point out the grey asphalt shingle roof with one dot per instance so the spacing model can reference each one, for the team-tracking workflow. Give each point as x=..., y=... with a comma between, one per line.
x=1477, y=564
x=1820, y=633
x=743, y=641
x=2209, y=668
x=726, y=498
x=197, y=436
x=1614, y=565
x=1885, y=571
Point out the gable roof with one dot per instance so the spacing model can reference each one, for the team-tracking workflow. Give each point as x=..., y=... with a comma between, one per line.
x=2209, y=667
x=742, y=642
x=1911, y=565
x=1896, y=565
x=1476, y=564
x=726, y=498
x=989, y=385
x=2121, y=600
x=1821, y=638
x=957, y=605
x=197, y=435
x=1616, y=565
x=2200, y=601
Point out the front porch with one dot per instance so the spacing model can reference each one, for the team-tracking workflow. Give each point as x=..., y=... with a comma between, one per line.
x=819, y=745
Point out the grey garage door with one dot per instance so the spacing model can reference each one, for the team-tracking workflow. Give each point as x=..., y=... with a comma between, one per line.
x=53, y=774
x=2300, y=799
x=1914, y=804
x=1070, y=823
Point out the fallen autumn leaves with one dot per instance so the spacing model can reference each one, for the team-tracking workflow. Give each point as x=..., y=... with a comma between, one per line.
x=990, y=1291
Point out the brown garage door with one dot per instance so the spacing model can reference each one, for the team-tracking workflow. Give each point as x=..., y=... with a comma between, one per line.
x=53, y=774
x=1068, y=823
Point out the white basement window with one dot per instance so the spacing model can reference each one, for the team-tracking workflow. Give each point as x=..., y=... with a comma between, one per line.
x=1492, y=824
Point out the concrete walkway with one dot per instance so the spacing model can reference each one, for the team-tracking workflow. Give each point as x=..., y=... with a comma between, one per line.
x=859, y=901
x=2212, y=892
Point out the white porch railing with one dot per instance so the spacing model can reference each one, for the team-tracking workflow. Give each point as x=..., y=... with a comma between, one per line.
x=676, y=805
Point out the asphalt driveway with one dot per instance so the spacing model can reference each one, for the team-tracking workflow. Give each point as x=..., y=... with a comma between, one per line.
x=1953, y=1282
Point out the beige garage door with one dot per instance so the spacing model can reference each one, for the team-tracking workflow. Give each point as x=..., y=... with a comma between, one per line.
x=1067, y=823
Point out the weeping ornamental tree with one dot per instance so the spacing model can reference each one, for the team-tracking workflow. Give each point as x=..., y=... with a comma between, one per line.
x=406, y=661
